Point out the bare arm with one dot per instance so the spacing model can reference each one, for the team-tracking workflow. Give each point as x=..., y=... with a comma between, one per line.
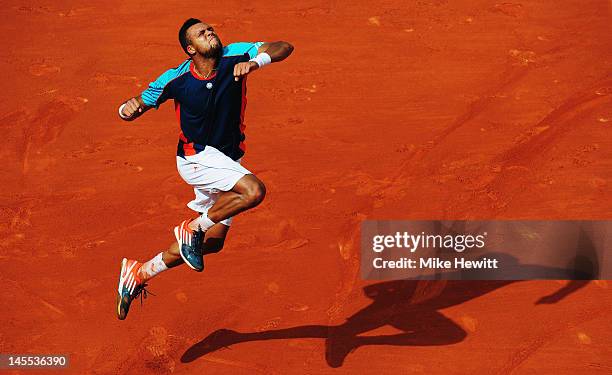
x=278, y=51
x=133, y=109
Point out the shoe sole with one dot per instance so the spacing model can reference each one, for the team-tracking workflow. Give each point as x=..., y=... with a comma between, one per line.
x=123, y=262
x=119, y=308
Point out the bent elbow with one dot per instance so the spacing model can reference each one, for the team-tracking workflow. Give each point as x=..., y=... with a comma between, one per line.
x=289, y=47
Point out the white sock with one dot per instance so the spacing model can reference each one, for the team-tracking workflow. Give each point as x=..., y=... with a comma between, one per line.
x=203, y=221
x=152, y=268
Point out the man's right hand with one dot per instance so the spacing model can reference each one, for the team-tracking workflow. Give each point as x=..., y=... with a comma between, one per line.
x=131, y=109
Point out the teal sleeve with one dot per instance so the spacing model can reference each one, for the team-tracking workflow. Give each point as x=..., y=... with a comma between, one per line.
x=155, y=94
x=241, y=48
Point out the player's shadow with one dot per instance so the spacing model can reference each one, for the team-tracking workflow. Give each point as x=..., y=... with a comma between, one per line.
x=410, y=306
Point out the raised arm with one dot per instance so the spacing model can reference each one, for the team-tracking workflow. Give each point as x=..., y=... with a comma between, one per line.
x=156, y=94
x=266, y=53
x=278, y=51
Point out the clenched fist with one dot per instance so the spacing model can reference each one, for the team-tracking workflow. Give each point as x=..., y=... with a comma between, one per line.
x=244, y=68
x=131, y=109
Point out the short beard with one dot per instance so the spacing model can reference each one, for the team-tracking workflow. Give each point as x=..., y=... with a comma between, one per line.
x=214, y=52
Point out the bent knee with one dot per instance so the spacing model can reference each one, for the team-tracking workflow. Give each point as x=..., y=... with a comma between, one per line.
x=255, y=193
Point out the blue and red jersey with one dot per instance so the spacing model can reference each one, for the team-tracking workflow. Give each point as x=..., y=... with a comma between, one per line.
x=210, y=111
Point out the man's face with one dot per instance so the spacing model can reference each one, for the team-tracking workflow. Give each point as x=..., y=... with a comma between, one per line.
x=203, y=40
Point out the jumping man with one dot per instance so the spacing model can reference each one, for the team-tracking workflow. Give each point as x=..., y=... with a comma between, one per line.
x=209, y=91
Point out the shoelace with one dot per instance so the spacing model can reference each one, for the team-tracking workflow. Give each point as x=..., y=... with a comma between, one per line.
x=142, y=292
x=197, y=241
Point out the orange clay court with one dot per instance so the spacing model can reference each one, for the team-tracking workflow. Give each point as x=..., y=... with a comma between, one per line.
x=386, y=110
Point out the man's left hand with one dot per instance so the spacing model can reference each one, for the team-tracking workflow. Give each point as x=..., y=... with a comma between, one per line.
x=244, y=68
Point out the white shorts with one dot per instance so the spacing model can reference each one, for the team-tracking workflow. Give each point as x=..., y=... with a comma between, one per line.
x=210, y=172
